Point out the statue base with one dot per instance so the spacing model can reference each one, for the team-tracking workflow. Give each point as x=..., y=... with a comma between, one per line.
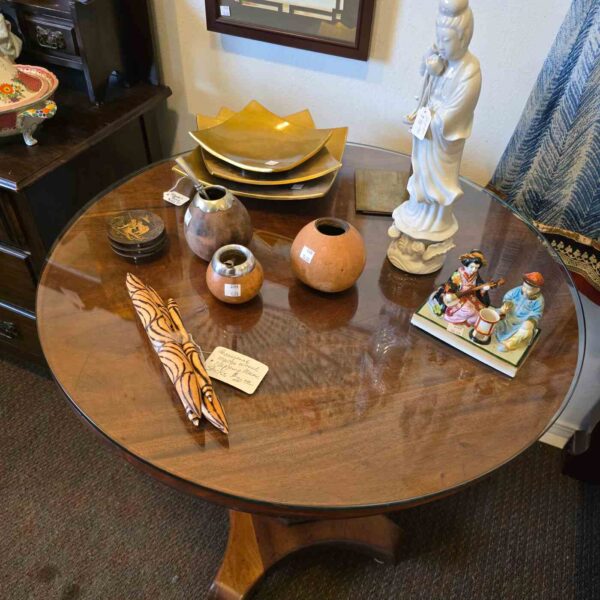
x=416, y=256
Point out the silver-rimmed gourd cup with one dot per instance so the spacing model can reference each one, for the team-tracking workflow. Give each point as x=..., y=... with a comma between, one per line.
x=234, y=275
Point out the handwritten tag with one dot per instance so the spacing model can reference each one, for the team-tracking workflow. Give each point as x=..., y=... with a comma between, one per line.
x=422, y=123
x=225, y=11
x=307, y=254
x=175, y=198
x=238, y=370
x=455, y=329
x=232, y=290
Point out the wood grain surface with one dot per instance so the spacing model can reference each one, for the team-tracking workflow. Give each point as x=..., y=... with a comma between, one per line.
x=361, y=413
x=77, y=126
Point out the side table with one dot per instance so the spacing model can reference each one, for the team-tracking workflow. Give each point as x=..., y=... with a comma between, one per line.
x=361, y=414
x=81, y=151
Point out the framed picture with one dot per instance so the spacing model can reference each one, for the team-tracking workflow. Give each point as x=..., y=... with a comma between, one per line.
x=340, y=27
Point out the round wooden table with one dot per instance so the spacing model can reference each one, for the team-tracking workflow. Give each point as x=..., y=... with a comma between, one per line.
x=360, y=414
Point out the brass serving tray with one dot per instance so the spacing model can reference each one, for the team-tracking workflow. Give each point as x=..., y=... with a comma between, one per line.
x=205, y=122
x=257, y=140
x=303, y=118
x=319, y=165
x=316, y=188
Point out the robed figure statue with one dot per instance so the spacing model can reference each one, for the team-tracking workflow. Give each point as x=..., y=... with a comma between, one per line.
x=441, y=125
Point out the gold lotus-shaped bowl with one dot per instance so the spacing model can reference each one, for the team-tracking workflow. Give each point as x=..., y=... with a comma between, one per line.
x=312, y=179
x=258, y=140
x=326, y=161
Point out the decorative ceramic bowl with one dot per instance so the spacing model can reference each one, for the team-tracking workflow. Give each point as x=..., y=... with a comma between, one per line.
x=328, y=255
x=25, y=99
x=234, y=275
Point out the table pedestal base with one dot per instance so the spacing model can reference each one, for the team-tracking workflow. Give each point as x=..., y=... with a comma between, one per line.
x=256, y=543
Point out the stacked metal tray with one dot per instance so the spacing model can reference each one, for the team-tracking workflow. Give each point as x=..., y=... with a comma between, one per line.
x=258, y=154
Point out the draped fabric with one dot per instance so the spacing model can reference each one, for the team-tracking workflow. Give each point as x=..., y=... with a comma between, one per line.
x=550, y=170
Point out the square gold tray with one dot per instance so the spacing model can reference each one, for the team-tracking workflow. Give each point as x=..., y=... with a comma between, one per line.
x=323, y=163
x=257, y=140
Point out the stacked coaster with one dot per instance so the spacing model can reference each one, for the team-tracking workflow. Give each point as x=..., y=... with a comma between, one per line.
x=137, y=235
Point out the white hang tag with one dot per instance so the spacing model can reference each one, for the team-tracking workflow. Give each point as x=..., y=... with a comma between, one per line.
x=456, y=329
x=422, y=123
x=307, y=254
x=224, y=10
x=175, y=198
x=232, y=290
x=235, y=369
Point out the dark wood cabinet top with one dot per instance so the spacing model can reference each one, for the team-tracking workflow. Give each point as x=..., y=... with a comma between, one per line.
x=77, y=126
x=360, y=412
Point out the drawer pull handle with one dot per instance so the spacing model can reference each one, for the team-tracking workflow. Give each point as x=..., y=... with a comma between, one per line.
x=47, y=38
x=8, y=330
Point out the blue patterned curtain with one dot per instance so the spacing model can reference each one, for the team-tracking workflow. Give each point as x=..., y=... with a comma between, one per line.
x=550, y=170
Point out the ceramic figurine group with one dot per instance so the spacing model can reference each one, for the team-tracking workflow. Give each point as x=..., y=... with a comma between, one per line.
x=464, y=301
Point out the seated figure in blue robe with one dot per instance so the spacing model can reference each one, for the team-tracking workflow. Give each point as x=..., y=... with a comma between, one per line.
x=522, y=309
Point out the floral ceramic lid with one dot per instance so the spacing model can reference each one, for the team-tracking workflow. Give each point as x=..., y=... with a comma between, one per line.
x=22, y=85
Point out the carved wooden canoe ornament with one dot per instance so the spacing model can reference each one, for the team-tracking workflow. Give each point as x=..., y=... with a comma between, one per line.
x=211, y=406
x=183, y=378
x=178, y=354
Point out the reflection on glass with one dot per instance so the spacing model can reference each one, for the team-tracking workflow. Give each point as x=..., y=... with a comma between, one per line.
x=326, y=19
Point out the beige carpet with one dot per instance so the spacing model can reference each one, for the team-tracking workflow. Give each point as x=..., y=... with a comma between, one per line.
x=78, y=522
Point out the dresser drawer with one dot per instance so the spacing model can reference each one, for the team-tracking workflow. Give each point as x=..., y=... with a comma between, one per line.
x=18, y=332
x=47, y=34
x=4, y=234
x=17, y=281
x=10, y=231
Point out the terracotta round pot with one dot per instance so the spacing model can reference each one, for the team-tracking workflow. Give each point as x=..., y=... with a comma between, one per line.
x=234, y=275
x=328, y=255
x=216, y=221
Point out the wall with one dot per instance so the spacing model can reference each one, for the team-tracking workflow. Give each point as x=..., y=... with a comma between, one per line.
x=207, y=70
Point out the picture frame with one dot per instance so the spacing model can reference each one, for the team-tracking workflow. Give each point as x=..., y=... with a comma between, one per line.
x=338, y=27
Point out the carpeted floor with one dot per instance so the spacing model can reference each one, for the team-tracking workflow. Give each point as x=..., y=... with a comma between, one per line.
x=78, y=522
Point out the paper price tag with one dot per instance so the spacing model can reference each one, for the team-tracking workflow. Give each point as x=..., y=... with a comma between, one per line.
x=455, y=329
x=225, y=11
x=233, y=290
x=307, y=254
x=175, y=198
x=238, y=370
x=422, y=123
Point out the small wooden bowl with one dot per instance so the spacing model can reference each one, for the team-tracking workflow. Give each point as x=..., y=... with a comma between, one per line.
x=234, y=276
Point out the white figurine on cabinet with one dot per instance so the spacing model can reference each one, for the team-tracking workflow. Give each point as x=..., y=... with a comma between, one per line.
x=441, y=125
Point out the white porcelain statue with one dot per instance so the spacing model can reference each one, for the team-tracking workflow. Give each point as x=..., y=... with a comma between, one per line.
x=10, y=44
x=443, y=119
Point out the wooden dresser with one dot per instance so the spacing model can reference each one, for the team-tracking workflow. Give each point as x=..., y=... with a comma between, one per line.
x=93, y=37
x=83, y=150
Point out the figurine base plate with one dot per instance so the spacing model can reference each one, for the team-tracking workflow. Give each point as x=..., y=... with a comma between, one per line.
x=505, y=362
